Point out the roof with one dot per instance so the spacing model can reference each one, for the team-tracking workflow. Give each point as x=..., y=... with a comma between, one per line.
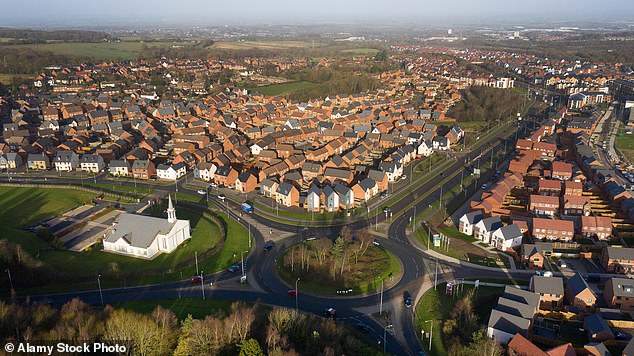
x=548, y=285
x=516, y=308
x=576, y=284
x=284, y=188
x=622, y=287
x=620, y=253
x=551, y=224
x=138, y=230
x=491, y=223
x=472, y=217
x=595, y=324
x=522, y=346
x=508, y=323
x=522, y=296
x=510, y=232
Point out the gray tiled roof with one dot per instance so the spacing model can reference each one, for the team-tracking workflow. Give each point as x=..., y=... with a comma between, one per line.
x=138, y=230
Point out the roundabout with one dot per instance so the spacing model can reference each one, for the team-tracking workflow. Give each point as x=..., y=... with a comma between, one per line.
x=338, y=268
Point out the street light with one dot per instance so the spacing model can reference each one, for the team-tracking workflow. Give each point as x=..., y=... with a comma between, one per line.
x=431, y=331
x=99, y=284
x=296, y=295
x=202, y=283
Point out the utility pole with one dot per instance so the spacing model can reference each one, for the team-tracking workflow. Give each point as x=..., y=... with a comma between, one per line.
x=249, y=234
x=381, y=302
x=296, y=295
x=99, y=284
x=461, y=178
x=242, y=261
x=414, y=220
x=196, y=256
x=431, y=332
x=436, y=277
x=202, y=283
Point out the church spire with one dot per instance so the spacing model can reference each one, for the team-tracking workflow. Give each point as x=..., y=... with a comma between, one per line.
x=171, y=212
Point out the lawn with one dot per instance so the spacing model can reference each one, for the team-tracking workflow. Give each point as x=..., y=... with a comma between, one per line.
x=198, y=308
x=360, y=51
x=437, y=306
x=124, y=50
x=364, y=277
x=8, y=78
x=284, y=88
x=116, y=270
x=625, y=143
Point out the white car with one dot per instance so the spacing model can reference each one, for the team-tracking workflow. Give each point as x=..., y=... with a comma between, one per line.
x=202, y=192
x=222, y=197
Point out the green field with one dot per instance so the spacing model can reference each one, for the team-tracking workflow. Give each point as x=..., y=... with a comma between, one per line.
x=360, y=51
x=284, y=89
x=437, y=306
x=8, y=78
x=26, y=206
x=99, y=50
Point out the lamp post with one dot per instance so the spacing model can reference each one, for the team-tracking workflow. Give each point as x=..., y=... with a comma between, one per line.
x=436, y=277
x=381, y=300
x=196, y=256
x=202, y=283
x=296, y=295
x=99, y=284
x=431, y=331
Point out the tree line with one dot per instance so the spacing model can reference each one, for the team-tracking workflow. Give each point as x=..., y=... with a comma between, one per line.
x=16, y=35
x=243, y=329
x=481, y=103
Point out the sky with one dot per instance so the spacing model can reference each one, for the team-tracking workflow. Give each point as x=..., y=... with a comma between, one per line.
x=221, y=12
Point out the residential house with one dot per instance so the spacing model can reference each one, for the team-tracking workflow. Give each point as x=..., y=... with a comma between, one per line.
x=512, y=315
x=484, y=228
x=205, y=171
x=596, y=226
x=507, y=237
x=578, y=293
x=392, y=169
x=313, y=199
x=119, y=168
x=532, y=256
x=561, y=170
x=619, y=293
x=549, y=187
x=330, y=198
x=597, y=329
x=287, y=195
x=365, y=189
x=425, y=148
x=225, y=176
x=246, y=182
x=171, y=172
x=143, y=169
x=468, y=221
x=93, y=163
x=575, y=205
x=38, y=161
x=550, y=229
x=268, y=187
x=543, y=205
x=549, y=289
x=14, y=160
x=346, y=196
x=573, y=188
x=618, y=259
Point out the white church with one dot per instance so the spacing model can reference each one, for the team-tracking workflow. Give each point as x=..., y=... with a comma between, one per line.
x=145, y=236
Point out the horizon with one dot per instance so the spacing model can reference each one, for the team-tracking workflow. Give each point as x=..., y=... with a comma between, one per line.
x=74, y=13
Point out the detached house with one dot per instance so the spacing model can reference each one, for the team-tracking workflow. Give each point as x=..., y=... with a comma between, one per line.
x=172, y=172
x=205, y=171
x=365, y=190
x=268, y=187
x=313, y=199
x=507, y=237
x=484, y=228
x=225, y=176
x=579, y=294
x=330, y=199
x=392, y=169
x=346, y=196
x=468, y=221
x=549, y=289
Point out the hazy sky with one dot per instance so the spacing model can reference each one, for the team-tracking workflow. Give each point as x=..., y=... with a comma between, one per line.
x=214, y=12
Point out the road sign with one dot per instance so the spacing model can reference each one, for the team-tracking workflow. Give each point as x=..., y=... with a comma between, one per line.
x=436, y=240
x=449, y=288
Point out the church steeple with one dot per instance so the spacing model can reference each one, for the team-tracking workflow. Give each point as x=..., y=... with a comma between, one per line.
x=171, y=212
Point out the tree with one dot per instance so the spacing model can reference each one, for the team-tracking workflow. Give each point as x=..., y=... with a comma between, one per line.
x=139, y=332
x=382, y=56
x=321, y=248
x=251, y=347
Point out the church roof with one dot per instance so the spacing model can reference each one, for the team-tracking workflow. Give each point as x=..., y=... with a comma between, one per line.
x=139, y=230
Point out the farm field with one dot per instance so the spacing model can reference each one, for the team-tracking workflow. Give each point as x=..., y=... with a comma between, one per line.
x=270, y=45
x=124, y=50
x=284, y=88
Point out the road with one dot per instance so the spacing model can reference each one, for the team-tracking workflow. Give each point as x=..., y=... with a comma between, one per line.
x=269, y=289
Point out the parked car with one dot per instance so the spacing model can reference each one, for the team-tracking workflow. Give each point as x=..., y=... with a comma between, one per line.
x=563, y=264
x=268, y=246
x=197, y=279
x=234, y=268
x=222, y=197
x=202, y=191
x=292, y=292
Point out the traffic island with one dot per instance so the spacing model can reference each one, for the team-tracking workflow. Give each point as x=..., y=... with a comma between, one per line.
x=340, y=267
